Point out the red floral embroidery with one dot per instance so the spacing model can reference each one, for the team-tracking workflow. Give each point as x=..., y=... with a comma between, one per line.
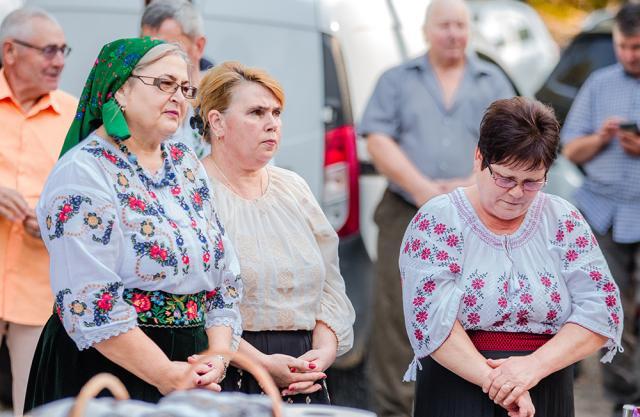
x=452, y=240
x=141, y=302
x=477, y=283
x=422, y=316
x=611, y=300
x=136, y=204
x=469, y=300
x=429, y=286
x=424, y=255
x=175, y=190
x=582, y=242
x=424, y=225
x=439, y=229
x=406, y=247
x=454, y=268
x=192, y=310
x=569, y=225
x=609, y=287
x=105, y=302
x=63, y=216
x=157, y=252
x=571, y=255
x=595, y=275
x=418, y=335
x=473, y=318
x=415, y=245
x=206, y=257
x=560, y=236
x=112, y=158
x=615, y=318
x=185, y=260
x=418, y=301
x=176, y=153
x=442, y=255
x=551, y=315
x=526, y=298
x=545, y=281
x=555, y=297
x=502, y=302
x=522, y=317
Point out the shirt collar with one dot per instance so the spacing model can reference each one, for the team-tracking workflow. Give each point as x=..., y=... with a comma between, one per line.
x=46, y=101
x=472, y=64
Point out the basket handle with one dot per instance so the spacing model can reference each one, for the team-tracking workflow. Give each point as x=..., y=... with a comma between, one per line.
x=260, y=374
x=93, y=387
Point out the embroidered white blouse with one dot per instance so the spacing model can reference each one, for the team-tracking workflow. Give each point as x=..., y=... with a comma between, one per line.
x=288, y=258
x=106, y=231
x=548, y=273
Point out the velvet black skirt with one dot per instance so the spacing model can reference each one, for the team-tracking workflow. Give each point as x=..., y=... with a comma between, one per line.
x=292, y=343
x=59, y=369
x=442, y=393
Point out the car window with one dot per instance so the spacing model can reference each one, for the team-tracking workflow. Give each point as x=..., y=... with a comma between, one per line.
x=585, y=55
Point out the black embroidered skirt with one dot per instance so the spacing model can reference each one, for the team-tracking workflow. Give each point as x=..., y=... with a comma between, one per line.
x=442, y=393
x=292, y=343
x=59, y=369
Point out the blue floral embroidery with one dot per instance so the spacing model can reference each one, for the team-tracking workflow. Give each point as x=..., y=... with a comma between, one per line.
x=66, y=211
x=103, y=303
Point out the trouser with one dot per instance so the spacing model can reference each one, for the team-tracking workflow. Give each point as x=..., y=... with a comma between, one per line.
x=621, y=377
x=21, y=341
x=391, y=352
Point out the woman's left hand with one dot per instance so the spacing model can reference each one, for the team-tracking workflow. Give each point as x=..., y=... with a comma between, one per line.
x=319, y=360
x=511, y=377
x=214, y=370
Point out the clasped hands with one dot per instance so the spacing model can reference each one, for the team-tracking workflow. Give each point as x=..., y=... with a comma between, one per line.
x=509, y=382
x=14, y=207
x=299, y=375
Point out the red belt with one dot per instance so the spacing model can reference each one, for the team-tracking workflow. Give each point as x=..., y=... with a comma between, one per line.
x=509, y=341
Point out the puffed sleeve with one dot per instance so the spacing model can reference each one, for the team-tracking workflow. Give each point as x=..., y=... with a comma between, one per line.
x=336, y=310
x=80, y=228
x=595, y=298
x=430, y=264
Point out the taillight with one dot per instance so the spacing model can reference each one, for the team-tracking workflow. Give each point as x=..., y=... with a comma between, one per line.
x=340, y=199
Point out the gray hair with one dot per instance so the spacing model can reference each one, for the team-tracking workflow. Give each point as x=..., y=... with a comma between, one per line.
x=17, y=24
x=433, y=4
x=158, y=52
x=182, y=11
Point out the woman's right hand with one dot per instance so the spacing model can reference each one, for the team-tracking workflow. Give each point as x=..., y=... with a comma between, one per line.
x=522, y=407
x=286, y=370
x=183, y=376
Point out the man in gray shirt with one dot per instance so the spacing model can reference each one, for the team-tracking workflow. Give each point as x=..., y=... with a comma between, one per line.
x=421, y=125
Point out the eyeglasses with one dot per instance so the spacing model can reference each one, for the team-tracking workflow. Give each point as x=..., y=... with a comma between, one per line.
x=168, y=86
x=509, y=183
x=48, y=51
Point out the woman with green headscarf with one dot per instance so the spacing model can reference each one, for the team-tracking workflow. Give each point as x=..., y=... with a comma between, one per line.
x=142, y=271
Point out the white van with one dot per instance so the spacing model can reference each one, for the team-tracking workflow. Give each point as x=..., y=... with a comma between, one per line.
x=328, y=55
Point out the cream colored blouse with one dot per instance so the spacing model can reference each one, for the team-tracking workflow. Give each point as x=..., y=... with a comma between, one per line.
x=288, y=255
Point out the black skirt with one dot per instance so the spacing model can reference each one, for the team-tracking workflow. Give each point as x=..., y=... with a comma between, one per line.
x=292, y=343
x=59, y=369
x=442, y=393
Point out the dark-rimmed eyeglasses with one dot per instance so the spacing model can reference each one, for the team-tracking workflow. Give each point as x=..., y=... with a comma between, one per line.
x=509, y=183
x=168, y=85
x=48, y=51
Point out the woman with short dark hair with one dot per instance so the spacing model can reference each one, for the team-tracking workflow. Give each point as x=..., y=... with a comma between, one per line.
x=504, y=286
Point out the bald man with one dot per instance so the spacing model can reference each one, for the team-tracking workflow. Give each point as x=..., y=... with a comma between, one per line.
x=421, y=124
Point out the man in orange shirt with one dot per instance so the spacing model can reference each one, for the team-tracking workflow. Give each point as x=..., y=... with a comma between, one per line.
x=34, y=116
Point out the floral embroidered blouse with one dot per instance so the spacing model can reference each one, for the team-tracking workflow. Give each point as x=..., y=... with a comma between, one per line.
x=288, y=255
x=107, y=231
x=548, y=273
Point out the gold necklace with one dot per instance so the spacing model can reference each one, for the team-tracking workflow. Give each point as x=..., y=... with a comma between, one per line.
x=230, y=185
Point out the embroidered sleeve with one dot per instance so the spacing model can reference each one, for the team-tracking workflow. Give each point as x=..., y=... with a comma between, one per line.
x=335, y=309
x=82, y=236
x=223, y=302
x=429, y=267
x=595, y=298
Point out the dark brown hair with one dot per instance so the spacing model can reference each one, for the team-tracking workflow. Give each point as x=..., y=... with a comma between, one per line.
x=628, y=19
x=520, y=132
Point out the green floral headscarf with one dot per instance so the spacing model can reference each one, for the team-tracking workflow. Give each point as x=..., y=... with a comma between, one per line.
x=97, y=104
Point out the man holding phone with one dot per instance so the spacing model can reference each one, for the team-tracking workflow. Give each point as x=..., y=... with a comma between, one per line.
x=601, y=134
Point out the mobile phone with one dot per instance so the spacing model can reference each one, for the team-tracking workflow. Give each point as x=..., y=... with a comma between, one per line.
x=630, y=127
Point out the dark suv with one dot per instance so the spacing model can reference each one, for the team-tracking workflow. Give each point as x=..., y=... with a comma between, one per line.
x=590, y=50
